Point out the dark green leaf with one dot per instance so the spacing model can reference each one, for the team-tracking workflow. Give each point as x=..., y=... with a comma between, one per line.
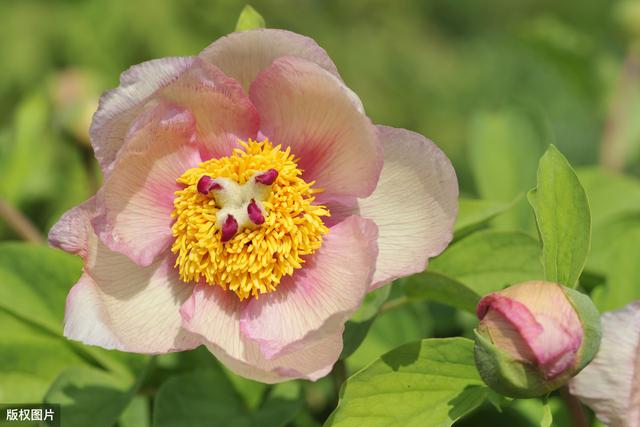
x=357, y=328
x=207, y=398
x=89, y=397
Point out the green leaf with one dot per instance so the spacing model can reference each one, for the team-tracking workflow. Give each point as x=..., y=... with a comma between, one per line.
x=433, y=382
x=563, y=217
x=136, y=414
x=90, y=397
x=502, y=145
x=609, y=194
x=489, y=260
x=391, y=329
x=34, y=282
x=358, y=326
x=25, y=163
x=547, y=416
x=249, y=19
x=207, y=398
x=30, y=359
x=439, y=288
x=623, y=272
x=474, y=213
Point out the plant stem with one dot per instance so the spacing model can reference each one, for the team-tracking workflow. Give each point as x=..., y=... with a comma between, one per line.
x=578, y=414
x=613, y=150
x=339, y=375
x=392, y=304
x=20, y=223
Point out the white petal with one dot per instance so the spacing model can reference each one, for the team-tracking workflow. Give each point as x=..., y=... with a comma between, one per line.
x=610, y=384
x=414, y=205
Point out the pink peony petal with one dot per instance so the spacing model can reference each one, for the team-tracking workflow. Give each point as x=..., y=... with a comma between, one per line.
x=414, y=205
x=222, y=110
x=119, y=107
x=135, y=203
x=70, y=233
x=317, y=300
x=304, y=107
x=142, y=304
x=214, y=315
x=118, y=304
x=86, y=319
x=243, y=55
x=610, y=384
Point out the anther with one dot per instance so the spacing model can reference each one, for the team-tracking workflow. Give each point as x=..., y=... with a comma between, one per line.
x=268, y=177
x=229, y=228
x=206, y=184
x=255, y=214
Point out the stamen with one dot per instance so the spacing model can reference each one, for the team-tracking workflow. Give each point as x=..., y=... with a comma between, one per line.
x=229, y=228
x=255, y=214
x=259, y=229
x=206, y=184
x=268, y=177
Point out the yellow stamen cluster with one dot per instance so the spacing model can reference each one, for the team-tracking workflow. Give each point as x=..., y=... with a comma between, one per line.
x=254, y=261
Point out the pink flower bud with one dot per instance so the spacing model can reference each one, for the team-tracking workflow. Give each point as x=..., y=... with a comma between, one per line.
x=534, y=336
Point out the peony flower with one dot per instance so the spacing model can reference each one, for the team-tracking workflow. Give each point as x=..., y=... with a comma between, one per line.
x=610, y=384
x=534, y=336
x=248, y=205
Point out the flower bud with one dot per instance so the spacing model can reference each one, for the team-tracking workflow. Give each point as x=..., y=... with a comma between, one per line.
x=534, y=336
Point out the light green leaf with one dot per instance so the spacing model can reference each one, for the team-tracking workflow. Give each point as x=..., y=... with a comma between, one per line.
x=547, y=416
x=357, y=327
x=249, y=19
x=563, y=217
x=502, y=145
x=433, y=382
x=390, y=330
x=473, y=213
x=436, y=287
x=489, y=260
x=34, y=282
x=30, y=359
x=623, y=272
x=605, y=239
x=90, y=397
x=609, y=194
x=136, y=414
x=25, y=162
x=207, y=398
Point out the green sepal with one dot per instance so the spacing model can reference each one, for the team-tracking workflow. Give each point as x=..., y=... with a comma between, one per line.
x=510, y=377
x=590, y=320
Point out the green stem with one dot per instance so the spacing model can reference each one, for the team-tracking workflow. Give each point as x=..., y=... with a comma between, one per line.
x=393, y=304
x=613, y=150
x=339, y=375
x=576, y=410
x=20, y=223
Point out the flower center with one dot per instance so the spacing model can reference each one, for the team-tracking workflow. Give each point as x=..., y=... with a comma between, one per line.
x=244, y=221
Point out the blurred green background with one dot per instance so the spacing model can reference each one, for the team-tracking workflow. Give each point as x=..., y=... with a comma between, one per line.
x=434, y=67
x=491, y=82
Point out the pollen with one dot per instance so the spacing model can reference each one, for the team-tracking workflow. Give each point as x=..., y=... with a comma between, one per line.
x=245, y=221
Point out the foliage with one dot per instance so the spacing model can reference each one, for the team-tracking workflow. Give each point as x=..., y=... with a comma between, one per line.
x=493, y=83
